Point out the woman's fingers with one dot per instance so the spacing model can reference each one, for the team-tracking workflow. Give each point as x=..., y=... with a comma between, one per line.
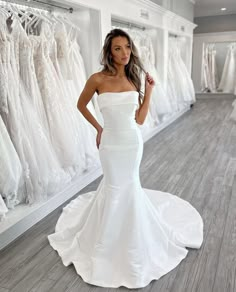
x=150, y=79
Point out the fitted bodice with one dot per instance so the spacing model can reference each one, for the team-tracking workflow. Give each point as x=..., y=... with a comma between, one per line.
x=118, y=109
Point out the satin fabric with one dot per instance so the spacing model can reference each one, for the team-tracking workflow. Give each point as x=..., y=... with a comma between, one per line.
x=122, y=234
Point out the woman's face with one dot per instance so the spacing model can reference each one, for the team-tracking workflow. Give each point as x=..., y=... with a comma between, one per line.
x=120, y=50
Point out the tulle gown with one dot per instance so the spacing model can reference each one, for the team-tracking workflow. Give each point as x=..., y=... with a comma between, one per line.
x=11, y=169
x=228, y=80
x=12, y=114
x=61, y=127
x=70, y=63
x=180, y=77
x=3, y=209
x=159, y=103
x=122, y=234
x=10, y=173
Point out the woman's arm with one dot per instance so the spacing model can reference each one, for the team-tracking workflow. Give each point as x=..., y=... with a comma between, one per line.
x=142, y=112
x=86, y=95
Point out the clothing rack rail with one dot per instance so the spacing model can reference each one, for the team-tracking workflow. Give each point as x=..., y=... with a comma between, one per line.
x=119, y=22
x=38, y=4
x=172, y=35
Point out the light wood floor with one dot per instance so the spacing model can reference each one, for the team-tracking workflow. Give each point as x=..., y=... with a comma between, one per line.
x=195, y=158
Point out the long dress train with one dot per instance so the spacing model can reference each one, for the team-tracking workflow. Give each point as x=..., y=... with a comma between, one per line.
x=122, y=234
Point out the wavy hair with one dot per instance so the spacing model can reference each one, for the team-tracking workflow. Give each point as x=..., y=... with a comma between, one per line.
x=133, y=69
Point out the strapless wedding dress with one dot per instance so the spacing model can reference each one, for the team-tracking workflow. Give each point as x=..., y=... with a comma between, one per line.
x=122, y=234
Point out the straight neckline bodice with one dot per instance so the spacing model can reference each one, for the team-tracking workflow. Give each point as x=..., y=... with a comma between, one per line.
x=116, y=92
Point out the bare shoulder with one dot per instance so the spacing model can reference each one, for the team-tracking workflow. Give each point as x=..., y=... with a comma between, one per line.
x=96, y=80
x=97, y=77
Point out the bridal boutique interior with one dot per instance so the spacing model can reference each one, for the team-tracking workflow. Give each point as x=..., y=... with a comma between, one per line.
x=29, y=189
x=47, y=150
x=217, y=63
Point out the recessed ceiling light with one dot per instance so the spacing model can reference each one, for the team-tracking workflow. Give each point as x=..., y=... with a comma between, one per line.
x=223, y=9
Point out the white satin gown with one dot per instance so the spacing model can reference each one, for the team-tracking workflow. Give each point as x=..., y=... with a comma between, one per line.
x=122, y=234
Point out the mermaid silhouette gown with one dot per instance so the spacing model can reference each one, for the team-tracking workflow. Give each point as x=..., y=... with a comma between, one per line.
x=122, y=234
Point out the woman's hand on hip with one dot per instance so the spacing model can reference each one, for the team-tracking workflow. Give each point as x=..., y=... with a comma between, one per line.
x=98, y=139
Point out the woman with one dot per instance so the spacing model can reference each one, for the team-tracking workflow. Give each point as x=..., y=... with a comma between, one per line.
x=121, y=234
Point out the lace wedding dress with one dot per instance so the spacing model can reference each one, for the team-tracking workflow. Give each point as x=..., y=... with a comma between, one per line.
x=159, y=103
x=122, y=234
x=10, y=173
x=61, y=126
x=228, y=80
x=180, y=84
x=12, y=114
x=71, y=59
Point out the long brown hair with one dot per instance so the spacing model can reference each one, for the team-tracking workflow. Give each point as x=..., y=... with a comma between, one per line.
x=133, y=69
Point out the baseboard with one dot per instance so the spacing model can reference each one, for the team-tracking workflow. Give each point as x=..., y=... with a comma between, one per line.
x=218, y=95
x=24, y=216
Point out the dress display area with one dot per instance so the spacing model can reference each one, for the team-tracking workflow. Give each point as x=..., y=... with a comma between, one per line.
x=45, y=140
x=122, y=234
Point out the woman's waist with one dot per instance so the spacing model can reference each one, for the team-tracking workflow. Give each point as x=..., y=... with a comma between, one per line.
x=130, y=136
x=119, y=128
x=121, y=125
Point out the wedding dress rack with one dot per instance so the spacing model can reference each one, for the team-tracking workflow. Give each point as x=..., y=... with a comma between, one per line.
x=173, y=35
x=38, y=4
x=129, y=25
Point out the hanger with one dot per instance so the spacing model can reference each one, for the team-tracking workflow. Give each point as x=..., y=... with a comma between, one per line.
x=43, y=16
x=37, y=17
x=15, y=11
x=66, y=20
x=54, y=16
x=4, y=12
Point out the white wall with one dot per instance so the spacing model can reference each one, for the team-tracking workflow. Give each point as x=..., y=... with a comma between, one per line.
x=184, y=8
x=220, y=23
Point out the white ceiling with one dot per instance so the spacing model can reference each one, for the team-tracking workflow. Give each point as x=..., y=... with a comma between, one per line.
x=212, y=7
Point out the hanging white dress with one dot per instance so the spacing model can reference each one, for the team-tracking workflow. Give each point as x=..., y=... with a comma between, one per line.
x=10, y=173
x=11, y=170
x=209, y=77
x=174, y=87
x=159, y=103
x=3, y=108
x=72, y=108
x=75, y=87
x=28, y=75
x=62, y=131
x=3, y=209
x=182, y=80
x=214, y=72
x=189, y=96
x=205, y=75
x=204, y=69
x=150, y=122
x=3, y=72
x=13, y=117
x=228, y=80
x=122, y=234
x=51, y=176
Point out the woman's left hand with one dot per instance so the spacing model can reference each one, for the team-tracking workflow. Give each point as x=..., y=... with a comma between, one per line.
x=149, y=83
